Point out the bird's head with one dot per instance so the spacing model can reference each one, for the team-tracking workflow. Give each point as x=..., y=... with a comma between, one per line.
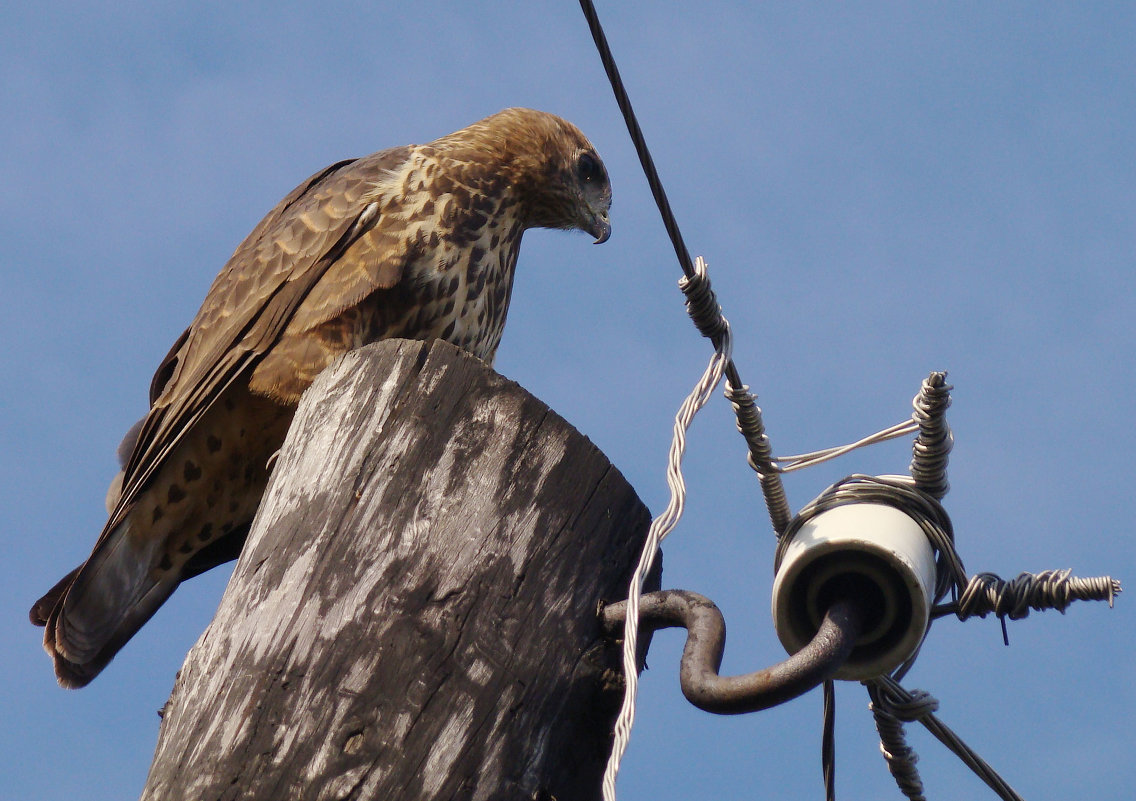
x=589, y=193
x=558, y=179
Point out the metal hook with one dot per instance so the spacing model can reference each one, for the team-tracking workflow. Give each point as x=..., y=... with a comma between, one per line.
x=706, y=642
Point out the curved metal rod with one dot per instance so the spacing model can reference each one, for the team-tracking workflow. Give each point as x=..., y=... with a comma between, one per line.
x=706, y=642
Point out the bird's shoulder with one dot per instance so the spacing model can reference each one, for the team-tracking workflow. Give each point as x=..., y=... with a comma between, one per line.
x=276, y=265
x=254, y=297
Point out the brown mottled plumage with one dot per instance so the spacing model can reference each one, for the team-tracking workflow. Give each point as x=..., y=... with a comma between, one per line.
x=417, y=242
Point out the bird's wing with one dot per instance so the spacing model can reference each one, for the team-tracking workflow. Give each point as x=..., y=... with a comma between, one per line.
x=309, y=237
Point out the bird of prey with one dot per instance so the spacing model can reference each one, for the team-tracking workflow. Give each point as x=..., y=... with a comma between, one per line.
x=418, y=242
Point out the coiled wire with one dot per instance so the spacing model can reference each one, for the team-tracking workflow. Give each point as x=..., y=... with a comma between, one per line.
x=987, y=593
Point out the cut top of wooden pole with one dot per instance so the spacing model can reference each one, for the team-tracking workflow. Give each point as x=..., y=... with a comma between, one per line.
x=414, y=613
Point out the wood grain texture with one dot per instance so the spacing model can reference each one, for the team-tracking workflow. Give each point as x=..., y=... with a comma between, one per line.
x=414, y=613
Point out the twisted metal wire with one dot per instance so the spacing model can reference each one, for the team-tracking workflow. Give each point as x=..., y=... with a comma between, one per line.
x=703, y=307
x=760, y=456
x=929, y=451
x=983, y=594
x=987, y=593
x=932, y=446
x=702, y=304
x=707, y=316
x=661, y=526
x=890, y=715
x=788, y=464
x=891, y=701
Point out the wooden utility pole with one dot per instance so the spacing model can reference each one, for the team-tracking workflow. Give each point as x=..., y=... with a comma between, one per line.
x=414, y=615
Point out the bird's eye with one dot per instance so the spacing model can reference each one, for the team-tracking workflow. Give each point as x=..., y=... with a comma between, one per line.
x=588, y=168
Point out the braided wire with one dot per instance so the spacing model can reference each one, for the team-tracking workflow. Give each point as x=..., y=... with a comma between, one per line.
x=707, y=316
x=799, y=461
x=661, y=526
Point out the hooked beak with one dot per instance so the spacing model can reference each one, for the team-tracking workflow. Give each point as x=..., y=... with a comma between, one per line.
x=598, y=224
x=601, y=229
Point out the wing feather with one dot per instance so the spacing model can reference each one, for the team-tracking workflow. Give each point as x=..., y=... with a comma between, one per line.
x=260, y=289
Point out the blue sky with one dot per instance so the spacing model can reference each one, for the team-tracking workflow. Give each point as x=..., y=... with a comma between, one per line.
x=880, y=190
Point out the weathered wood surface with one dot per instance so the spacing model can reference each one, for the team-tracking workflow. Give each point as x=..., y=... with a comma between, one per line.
x=414, y=613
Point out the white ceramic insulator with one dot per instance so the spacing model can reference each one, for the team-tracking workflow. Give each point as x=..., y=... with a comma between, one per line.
x=882, y=557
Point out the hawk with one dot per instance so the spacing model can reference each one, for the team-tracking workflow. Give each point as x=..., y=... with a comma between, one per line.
x=417, y=242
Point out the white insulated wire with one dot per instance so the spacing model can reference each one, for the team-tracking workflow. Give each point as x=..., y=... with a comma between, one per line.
x=661, y=526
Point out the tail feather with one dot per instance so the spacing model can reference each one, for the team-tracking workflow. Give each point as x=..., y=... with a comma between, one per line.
x=71, y=673
x=101, y=605
x=41, y=609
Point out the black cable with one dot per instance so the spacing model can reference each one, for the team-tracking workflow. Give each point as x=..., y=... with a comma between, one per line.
x=828, y=742
x=669, y=221
x=733, y=378
x=637, y=138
